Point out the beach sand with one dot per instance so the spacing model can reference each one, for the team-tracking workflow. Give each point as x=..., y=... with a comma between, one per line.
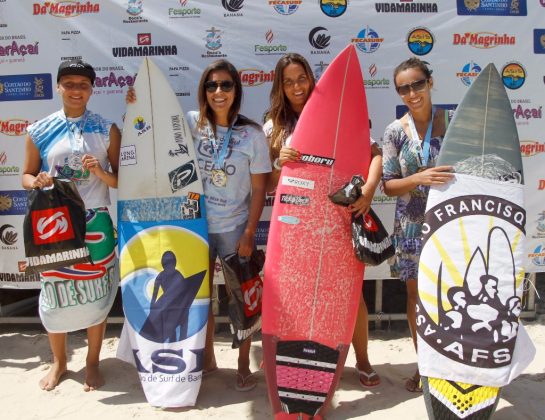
x=25, y=354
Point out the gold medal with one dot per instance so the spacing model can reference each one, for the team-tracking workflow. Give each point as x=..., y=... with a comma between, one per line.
x=219, y=177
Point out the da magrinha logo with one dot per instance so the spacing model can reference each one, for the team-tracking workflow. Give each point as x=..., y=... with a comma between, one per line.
x=420, y=41
x=469, y=72
x=333, y=8
x=367, y=40
x=170, y=283
x=470, y=279
x=513, y=75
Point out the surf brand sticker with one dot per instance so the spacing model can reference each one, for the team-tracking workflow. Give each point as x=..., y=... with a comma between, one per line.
x=471, y=273
x=190, y=207
x=289, y=220
x=317, y=160
x=141, y=125
x=127, y=155
x=298, y=182
x=183, y=176
x=298, y=200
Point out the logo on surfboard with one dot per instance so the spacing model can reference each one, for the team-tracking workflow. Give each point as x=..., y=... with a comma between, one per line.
x=183, y=176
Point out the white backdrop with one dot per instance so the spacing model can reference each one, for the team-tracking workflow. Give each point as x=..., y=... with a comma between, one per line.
x=457, y=38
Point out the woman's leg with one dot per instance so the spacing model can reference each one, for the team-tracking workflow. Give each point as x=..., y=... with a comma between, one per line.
x=412, y=384
x=93, y=377
x=57, y=342
x=359, y=341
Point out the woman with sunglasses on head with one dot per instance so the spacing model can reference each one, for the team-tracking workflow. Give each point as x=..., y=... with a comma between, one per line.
x=234, y=163
x=411, y=145
x=77, y=144
x=292, y=86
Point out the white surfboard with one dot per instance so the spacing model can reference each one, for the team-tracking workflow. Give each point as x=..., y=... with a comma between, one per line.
x=163, y=245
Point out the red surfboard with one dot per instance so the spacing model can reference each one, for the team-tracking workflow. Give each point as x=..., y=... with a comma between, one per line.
x=312, y=278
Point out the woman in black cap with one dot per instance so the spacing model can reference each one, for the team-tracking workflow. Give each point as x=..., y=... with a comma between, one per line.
x=77, y=144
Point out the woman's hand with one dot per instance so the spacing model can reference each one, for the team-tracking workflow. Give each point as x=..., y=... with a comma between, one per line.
x=362, y=205
x=42, y=180
x=245, y=244
x=130, y=98
x=434, y=176
x=91, y=163
x=288, y=154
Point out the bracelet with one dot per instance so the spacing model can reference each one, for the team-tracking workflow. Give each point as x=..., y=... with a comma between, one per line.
x=276, y=164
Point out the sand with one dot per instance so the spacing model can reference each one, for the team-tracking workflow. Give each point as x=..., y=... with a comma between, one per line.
x=24, y=358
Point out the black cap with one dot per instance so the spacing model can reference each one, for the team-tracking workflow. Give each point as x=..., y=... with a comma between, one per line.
x=78, y=68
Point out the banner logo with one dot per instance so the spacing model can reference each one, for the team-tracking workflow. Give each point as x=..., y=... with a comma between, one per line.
x=319, y=41
x=65, y=8
x=285, y=7
x=469, y=72
x=8, y=235
x=539, y=41
x=255, y=77
x=319, y=69
x=52, y=225
x=333, y=8
x=26, y=87
x=513, y=75
x=530, y=148
x=420, y=41
x=270, y=48
x=367, y=40
x=13, y=202
x=234, y=7
x=213, y=43
x=374, y=82
x=406, y=6
x=483, y=40
x=492, y=8
x=14, y=127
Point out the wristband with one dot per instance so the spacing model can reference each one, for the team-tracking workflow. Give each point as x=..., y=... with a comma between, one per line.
x=276, y=164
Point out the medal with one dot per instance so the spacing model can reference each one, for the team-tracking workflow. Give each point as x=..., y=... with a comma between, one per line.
x=219, y=177
x=422, y=151
x=74, y=162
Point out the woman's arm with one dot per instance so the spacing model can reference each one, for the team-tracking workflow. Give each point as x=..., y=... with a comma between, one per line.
x=287, y=154
x=246, y=242
x=32, y=177
x=363, y=204
x=431, y=176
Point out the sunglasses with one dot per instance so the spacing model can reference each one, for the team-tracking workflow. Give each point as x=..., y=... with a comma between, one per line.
x=417, y=86
x=225, y=86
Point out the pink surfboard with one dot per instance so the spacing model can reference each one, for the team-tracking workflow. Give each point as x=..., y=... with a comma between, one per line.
x=312, y=278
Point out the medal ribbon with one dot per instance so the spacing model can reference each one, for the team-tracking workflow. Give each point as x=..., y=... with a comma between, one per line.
x=76, y=143
x=219, y=155
x=427, y=139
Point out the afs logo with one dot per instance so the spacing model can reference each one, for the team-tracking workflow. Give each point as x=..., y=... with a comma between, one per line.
x=285, y=7
x=8, y=235
x=420, y=41
x=333, y=8
x=52, y=225
x=173, y=283
x=513, y=75
x=140, y=124
x=367, y=40
x=469, y=72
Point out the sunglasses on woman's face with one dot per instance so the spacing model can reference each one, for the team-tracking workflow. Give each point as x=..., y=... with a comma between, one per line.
x=417, y=86
x=225, y=85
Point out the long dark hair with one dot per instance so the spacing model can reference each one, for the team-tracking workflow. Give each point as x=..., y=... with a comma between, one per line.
x=412, y=63
x=281, y=113
x=206, y=115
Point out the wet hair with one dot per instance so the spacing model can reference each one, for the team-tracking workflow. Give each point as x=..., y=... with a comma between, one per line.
x=412, y=63
x=206, y=114
x=281, y=113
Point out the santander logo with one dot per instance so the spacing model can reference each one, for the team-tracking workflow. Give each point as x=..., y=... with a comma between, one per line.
x=52, y=225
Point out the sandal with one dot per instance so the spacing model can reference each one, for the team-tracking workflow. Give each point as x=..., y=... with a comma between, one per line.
x=245, y=383
x=414, y=384
x=368, y=380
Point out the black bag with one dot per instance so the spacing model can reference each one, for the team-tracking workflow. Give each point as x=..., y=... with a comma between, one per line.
x=371, y=242
x=54, y=228
x=245, y=292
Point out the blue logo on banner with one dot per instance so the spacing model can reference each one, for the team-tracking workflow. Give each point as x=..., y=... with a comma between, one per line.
x=13, y=202
x=402, y=109
x=333, y=8
x=492, y=8
x=539, y=41
x=26, y=87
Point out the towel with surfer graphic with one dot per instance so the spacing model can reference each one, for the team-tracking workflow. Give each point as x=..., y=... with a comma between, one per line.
x=470, y=283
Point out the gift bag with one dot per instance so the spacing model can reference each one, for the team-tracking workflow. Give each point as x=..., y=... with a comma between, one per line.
x=245, y=292
x=371, y=242
x=54, y=228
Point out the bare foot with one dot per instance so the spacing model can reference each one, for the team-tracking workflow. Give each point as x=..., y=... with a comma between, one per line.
x=50, y=381
x=93, y=378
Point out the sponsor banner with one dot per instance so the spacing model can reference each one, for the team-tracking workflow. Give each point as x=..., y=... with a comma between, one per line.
x=470, y=283
x=26, y=87
x=13, y=202
x=492, y=7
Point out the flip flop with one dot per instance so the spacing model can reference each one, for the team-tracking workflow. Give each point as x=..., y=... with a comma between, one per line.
x=413, y=384
x=368, y=380
x=247, y=382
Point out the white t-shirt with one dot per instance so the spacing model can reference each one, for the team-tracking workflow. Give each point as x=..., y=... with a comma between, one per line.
x=247, y=153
